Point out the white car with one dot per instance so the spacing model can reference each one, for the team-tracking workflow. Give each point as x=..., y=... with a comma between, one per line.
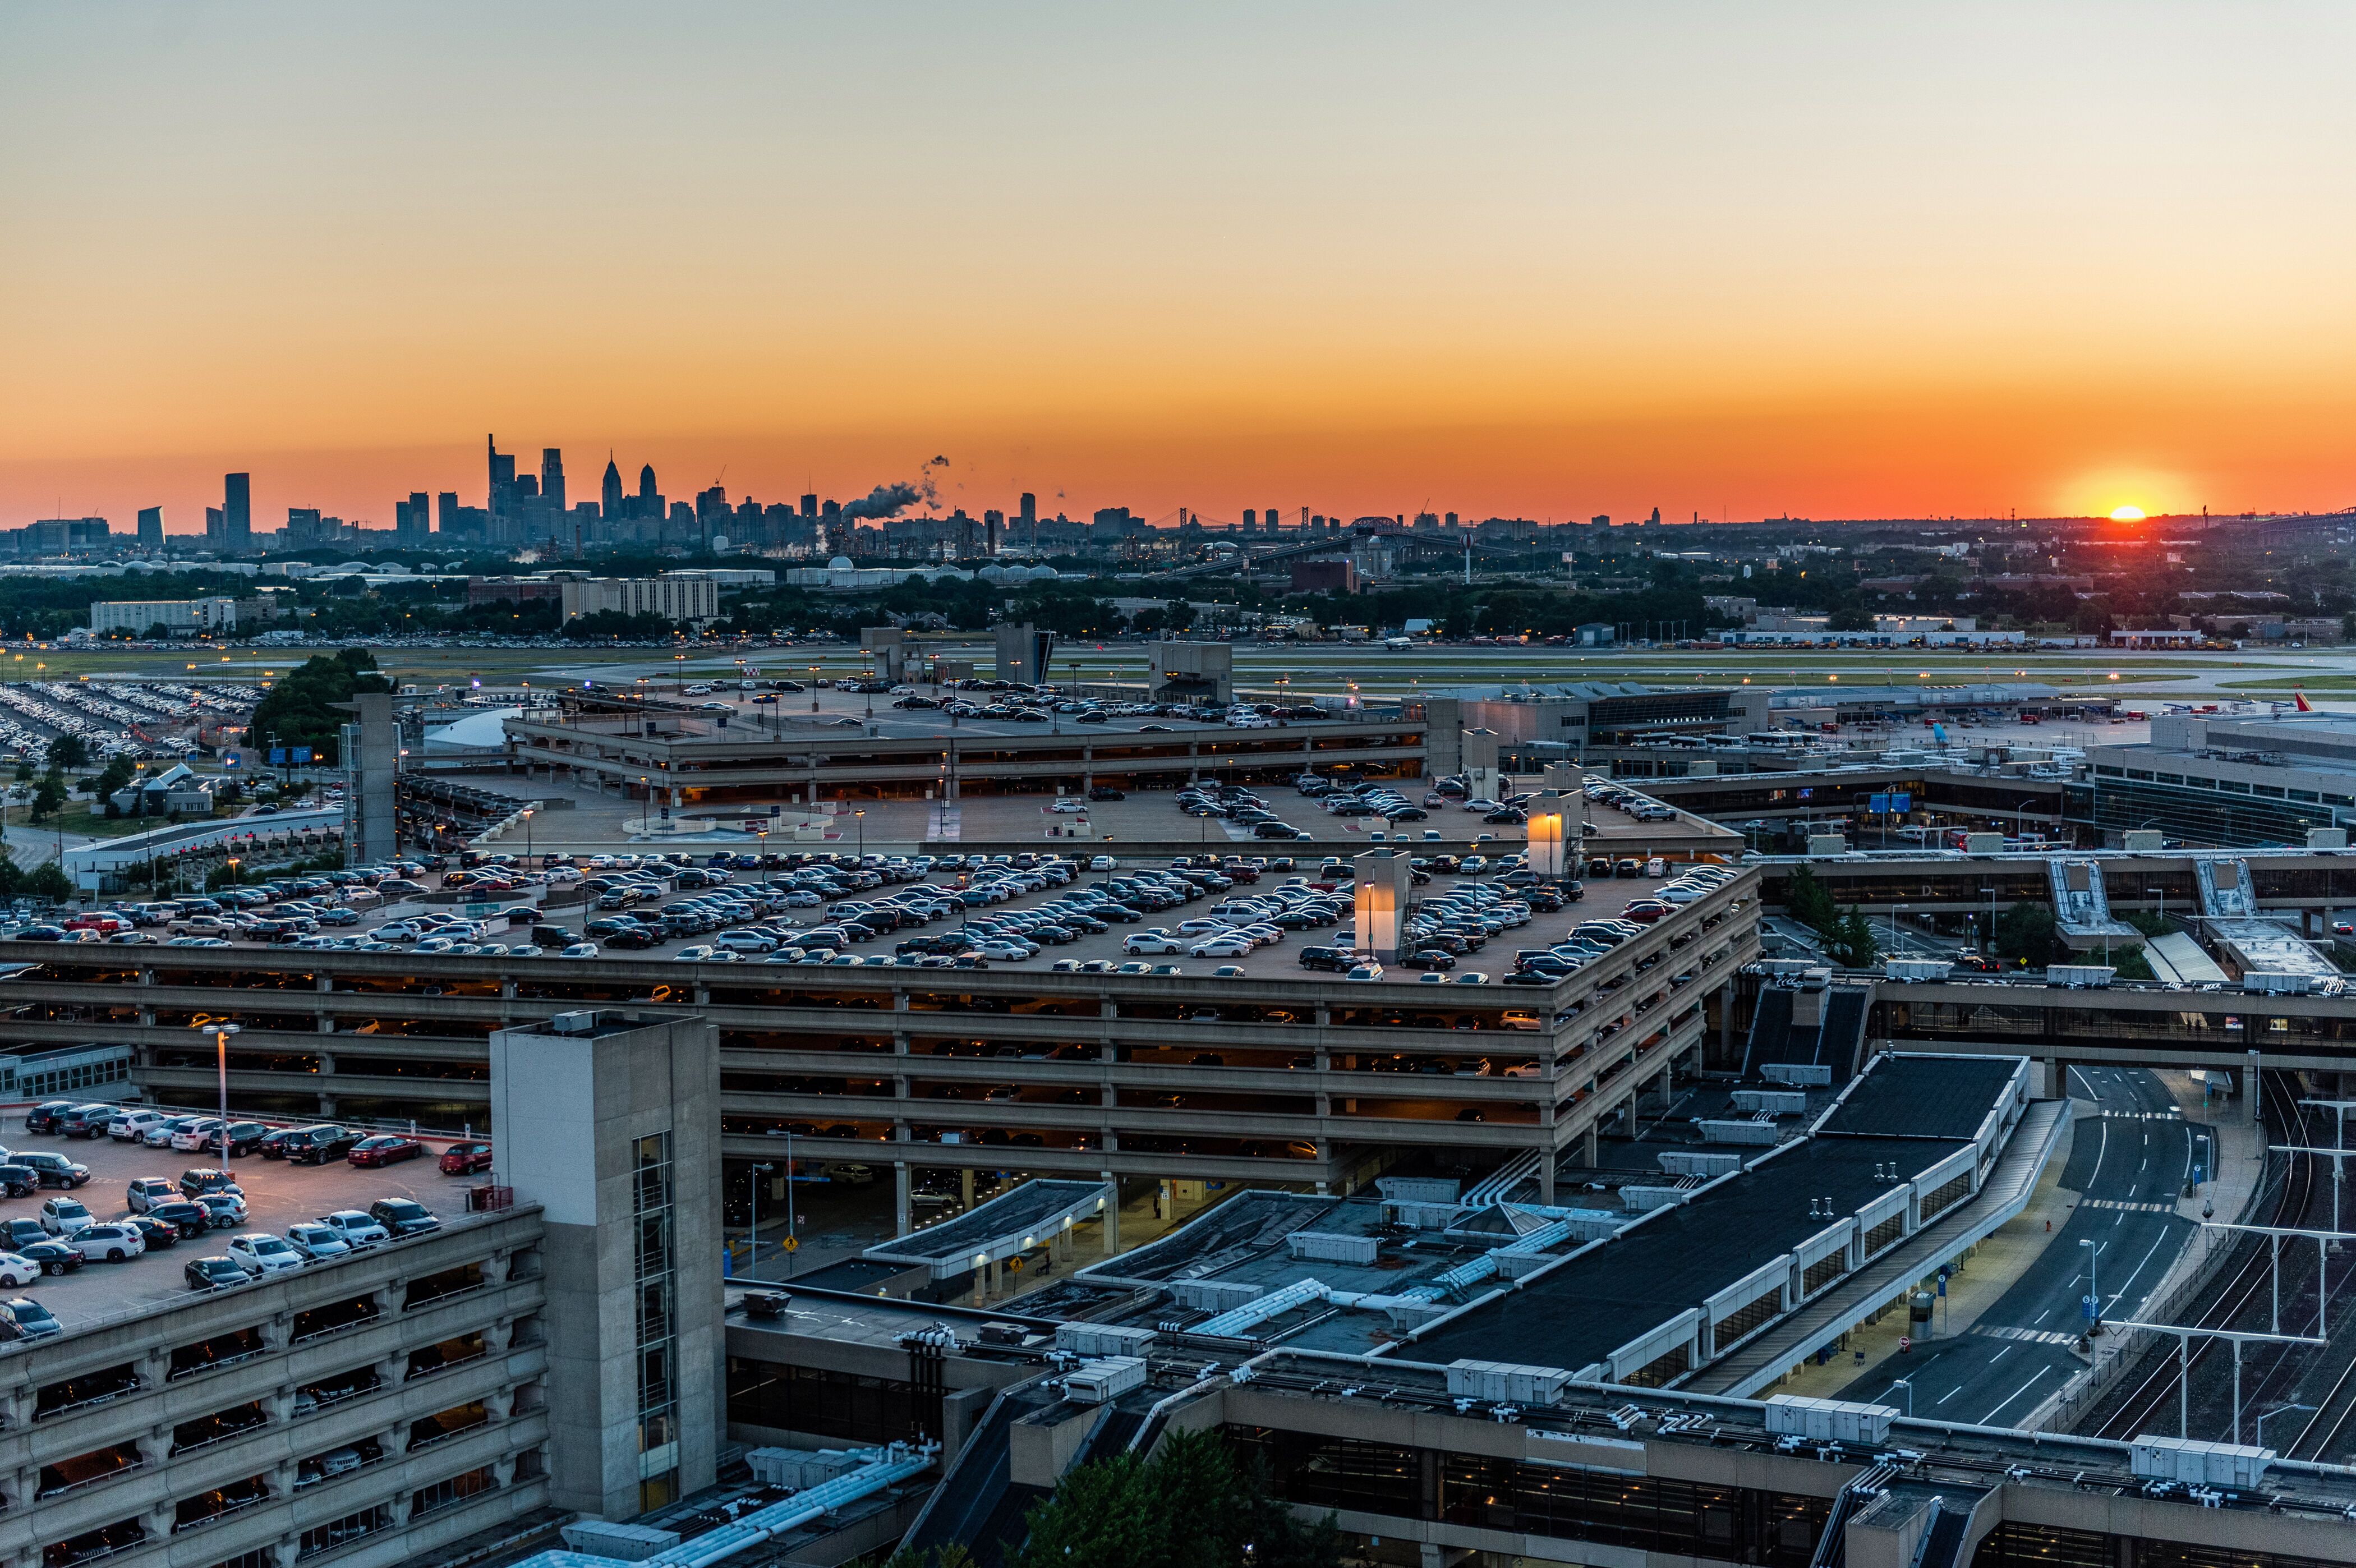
x=1069, y=807
x=17, y=1271
x=110, y=1243
x=580, y=949
x=355, y=1229
x=1233, y=944
x=1366, y=972
x=744, y=941
x=1152, y=941
x=190, y=1139
x=66, y=1217
x=258, y=1252
x=317, y=1241
x=700, y=953
x=130, y=1126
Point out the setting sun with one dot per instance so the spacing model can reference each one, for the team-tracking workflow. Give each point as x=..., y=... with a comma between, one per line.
x=2126, y=514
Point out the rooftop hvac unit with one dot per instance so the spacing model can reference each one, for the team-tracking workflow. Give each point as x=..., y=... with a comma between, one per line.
x=1506, y=1383
x=1835, y=1421
x=1105, y=1379
x=1326, y=1245
x=2079, y=976
x=2276, y=982
x=582, y=1023
x=2201, y=1464
x=1917, y=968
x=1102, y=1339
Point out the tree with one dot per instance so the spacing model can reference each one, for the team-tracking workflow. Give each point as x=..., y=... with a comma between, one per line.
x=69, y=751
x=49, y=795
x=46, y=881
x=158, y=632
x=1806, y=901
x=301, y=709
x=116, y=775
x=2026, y=935
x=1850, y=942
x=1852, y=616
x=2132, y=964
x=1190, y=1506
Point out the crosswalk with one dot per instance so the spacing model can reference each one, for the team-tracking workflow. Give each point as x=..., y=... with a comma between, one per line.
x=2170, y=1114
x=2124, y=1203
x=2031, y=1336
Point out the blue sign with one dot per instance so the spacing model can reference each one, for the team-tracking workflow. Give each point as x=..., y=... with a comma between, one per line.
x=2199, y=1174
x=1902, y=804
x=300, y=755
x=277, y=757
x=2088, y=1303
x=1942, y=1285
x=1878, y=804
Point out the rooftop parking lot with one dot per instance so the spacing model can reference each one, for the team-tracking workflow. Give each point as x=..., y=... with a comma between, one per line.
x=1081, y=911
x=277, y=1194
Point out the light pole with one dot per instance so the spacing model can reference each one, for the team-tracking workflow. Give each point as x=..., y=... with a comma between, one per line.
x=2278, y=1410
x=859, y=816
x=761, y=837
x=220, y=1034
x=527, y=835
x=1908, y=1384
x=813, y=675
x=753, y=1261
x=2093, y=1290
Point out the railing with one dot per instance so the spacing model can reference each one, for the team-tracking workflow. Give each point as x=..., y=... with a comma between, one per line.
x=221, y=1513
x=317, y=1334
x=48, y=1492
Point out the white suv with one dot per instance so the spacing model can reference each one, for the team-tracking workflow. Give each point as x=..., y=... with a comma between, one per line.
x=358, y=1230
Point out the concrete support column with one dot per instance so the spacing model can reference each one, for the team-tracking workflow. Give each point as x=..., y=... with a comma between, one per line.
x=965, y=1186
x=328, y=1106
x=289, y=1552
x=900, y=1215
x=1545, y=1178
x=1112, y=1215
x=499, y=1337
x=1724, y=1019
x=400, y=1505
x=326, y=1061
x=395, y=1439
x=503, y=1469
x=1592, y=1145
x=997, y=1284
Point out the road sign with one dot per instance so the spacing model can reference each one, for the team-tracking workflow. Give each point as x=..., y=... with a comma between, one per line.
x=277, y=757
x=791, y=1243
x=301, y=754
x=1905, y=1343
x=2087, y=1302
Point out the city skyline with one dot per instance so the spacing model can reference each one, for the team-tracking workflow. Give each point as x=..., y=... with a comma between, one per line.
x=1519, y=261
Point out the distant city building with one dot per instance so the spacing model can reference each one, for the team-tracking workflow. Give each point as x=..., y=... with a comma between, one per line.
x=673, y=598
x=412, y=521
x=59, y=536
x=237, y=512
x=610, y=490
x=186, y=617
x=552, y=477
x=151, y=527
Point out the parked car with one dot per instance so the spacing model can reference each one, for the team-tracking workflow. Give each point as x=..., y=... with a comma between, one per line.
x=43, y=1118
x=317, y=1145
x=115, y=1242
x=358, y=1231
x=84, y=1121
x=198, y=1180
x=465, y=1159
x=28, y=1319
x=190, y=1219
x=404, y=1217
x=213, y=1273
x=227, y=1209
x=258, y=1252
x=54, y=1170
x=66, y=1217
x=130, y=1126
x=55, y=1257
x=15, y=1180
x=160, y=1135
x=317, y=1241
x=386, y=1149
x=153, y=1234
x=15, y=1268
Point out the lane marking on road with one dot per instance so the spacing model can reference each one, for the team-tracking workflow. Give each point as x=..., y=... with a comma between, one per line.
x=1989, y=1418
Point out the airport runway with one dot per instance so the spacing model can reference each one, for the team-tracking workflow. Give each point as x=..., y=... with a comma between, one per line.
x=2128, y=1162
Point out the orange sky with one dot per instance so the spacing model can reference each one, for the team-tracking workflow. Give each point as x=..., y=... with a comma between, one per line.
x=1539, y=260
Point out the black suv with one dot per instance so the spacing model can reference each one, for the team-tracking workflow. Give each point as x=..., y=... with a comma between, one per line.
x=1332, y=959
x=43, y=1118
x=319, y=1145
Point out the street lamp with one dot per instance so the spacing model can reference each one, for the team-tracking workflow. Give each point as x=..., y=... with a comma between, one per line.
x=527, y=835
x=753, y=1261
x=813, y=675
x=2278, y=1410
x=220, y=1034
x=1908, y=1384
x=861, y=817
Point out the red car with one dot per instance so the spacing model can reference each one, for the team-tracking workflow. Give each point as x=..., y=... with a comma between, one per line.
x=465, y=1159
x=385, y=1149
x=1645, y=911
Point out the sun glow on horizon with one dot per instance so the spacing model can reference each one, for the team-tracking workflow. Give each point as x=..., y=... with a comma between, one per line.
x=2126, y=514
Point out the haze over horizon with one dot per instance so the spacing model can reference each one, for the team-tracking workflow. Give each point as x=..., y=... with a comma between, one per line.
x=1825, y=261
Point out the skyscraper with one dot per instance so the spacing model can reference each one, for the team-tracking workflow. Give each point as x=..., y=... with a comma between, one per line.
x=610, y=492
x=151, y=527
x=552, y=477
x=412, y=520
x=502, y=476
x=649, y=498
x=237, y=512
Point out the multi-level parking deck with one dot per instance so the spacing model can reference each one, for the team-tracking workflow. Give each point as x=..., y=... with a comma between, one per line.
x=365, y=1408
x=1271, y=1076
